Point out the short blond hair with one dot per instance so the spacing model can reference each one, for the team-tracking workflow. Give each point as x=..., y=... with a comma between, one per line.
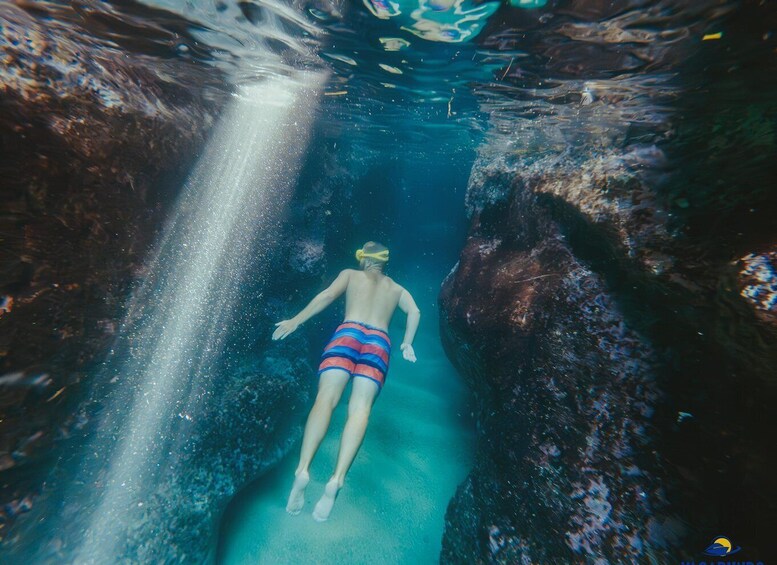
x=373, y=247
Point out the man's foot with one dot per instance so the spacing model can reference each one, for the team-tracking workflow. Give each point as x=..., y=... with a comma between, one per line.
x=324, y=506
x=297, y=496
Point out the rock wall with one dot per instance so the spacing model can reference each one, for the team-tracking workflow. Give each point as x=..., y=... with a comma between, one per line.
x=619, y=388
x=613, y=308
x=94, y=142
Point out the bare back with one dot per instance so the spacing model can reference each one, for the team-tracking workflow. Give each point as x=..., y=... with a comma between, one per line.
x=371, y=297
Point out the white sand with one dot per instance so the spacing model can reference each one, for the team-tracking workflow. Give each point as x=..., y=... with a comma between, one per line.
x=418, y=448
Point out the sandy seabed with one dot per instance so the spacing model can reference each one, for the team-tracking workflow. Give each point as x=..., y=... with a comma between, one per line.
x=418, y=448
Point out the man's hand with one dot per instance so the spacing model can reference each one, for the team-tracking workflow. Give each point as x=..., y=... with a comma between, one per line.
x=284, y=328
x=407, y=352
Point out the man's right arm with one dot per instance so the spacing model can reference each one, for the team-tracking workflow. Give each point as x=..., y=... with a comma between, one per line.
x=409, y=307
x=319, y=302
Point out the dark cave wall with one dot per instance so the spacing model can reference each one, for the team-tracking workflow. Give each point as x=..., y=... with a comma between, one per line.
x=615, y=358
x=94, y=143
x=565, y=389
x=614, y=313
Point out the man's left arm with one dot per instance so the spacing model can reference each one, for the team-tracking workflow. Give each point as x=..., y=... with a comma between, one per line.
x=409, y=307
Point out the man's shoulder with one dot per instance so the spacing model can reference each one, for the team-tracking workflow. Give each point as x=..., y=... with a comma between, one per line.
x=395, y=284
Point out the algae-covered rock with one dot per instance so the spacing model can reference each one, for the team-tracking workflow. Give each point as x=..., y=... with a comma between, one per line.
x=94, y=142
x=566, y=392
x=613, y=356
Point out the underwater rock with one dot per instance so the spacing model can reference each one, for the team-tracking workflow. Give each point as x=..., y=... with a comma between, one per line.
x=308, y=256
x=253, y=426
x=614, y=354
x=565, y=394
x=254, y=407
x=758, y=283
x=600, y=187
x=93, y=139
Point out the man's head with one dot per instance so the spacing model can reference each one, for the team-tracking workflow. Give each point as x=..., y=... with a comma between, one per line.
x=372, y=255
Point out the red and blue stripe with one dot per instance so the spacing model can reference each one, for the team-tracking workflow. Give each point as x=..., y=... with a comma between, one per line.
x=360, y=349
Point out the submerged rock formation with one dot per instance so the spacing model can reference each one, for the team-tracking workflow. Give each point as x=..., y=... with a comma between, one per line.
x=613, y=307
x=94, y=141
x=566, y=389
x=612, y=358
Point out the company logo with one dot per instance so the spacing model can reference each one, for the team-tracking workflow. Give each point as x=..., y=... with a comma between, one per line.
x=720, y=547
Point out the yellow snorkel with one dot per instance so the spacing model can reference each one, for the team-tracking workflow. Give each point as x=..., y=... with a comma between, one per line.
x=379, y=256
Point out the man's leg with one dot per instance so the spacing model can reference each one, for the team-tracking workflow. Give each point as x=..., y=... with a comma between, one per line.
x=331, y=384
x=363, y=395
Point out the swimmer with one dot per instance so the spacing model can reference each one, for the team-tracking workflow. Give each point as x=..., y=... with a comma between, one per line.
x=359, y=349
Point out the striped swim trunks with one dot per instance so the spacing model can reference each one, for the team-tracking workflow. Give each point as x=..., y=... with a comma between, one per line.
x=360, y=349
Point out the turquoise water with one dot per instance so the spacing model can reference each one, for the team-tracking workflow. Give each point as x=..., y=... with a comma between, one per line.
x=150, y=418
x=420, y=442
x=418, y=448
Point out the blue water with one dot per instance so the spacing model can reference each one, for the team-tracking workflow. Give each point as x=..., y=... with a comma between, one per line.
x=418, y=448
x=420, y=441
x=399, y=97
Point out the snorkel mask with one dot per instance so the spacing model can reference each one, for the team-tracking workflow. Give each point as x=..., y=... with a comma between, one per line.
x=382, y=256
